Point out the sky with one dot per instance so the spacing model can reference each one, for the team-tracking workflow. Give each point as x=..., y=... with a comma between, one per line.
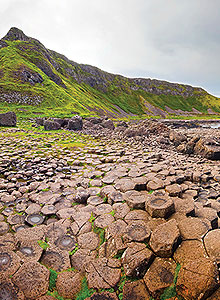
x=173, y=40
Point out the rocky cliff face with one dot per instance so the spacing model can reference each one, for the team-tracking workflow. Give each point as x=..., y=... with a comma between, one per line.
x=32, y=74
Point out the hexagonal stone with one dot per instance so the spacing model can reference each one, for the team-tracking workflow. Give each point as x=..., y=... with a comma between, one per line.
x=16, y=219
x=33, y=279
x=102, y=209
x=136, y=259
x=188, y=251
x=103, y=273
x=210, y=214
x=159, y=206
x=29, y=251
x=160, y=275
x=155, y=184
x=7, y=242
x=135, y=290
x=56, y=259
x=165, y=238
x=135, y=200
x=184, y=206
x=116, y=228
x=197, y=279
x=192, y=228
x=66, y=242
x=113, y=246
x=104, y=220
x=124, y=184
x=89, y=241
x=81, y=258
x=212, y=244
x=137, y=231
x=174, y=190
x=68, y=284
x=9, y=291
x=35, y=219
x=137, y=214
x=9, y=263
x=121, y=210
x=30, y=234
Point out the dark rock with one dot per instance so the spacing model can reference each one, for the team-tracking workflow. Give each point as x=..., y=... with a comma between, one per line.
x=108, y=124
x=51, y=125
x=8, y=119
x=62, y=122
x=208, y=148
x=75, y=123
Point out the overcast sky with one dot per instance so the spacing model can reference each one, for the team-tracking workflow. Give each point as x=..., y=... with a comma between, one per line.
x=174, y=40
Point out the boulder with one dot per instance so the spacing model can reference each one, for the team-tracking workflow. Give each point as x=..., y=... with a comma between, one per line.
x=51, y=125
x=108, y=124
x=8, y=119
x=75, y=123
x=208, y=148
x=177, y=138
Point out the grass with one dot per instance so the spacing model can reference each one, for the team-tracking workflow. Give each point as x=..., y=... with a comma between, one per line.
x=65, y=96
x=85, y=292
x=43, y=245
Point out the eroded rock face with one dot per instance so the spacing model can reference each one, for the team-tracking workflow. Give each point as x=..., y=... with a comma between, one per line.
x=68, y=284
x=8, y=119
x=135, y=290
x=75, y=123
x=9, y=291
x=33, y=279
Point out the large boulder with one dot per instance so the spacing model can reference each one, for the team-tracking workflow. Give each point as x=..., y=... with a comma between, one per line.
x=208, y=148
x=8, y=119
x=62, y=122
x=75, y=123
x=51, y=125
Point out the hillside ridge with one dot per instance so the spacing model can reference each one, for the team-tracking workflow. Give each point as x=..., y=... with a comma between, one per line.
x=43, y=77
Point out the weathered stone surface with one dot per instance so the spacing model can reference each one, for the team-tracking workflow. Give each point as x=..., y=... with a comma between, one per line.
x=189, y=251
x=136, y=259
x=9, y=263
x=164, y=238
x=212, y=244
x=56, y=259
x=135, y=199
x=88, y=241
x=160, y=275
x=9, y=291
x=103, y=296
x=68, y=284
x=103, y=273
x=135, y=291
x=208, y=148
x=8, y=119
x=159, y=206
x=192, y=228
x=82, y=258
x=33, y=279
x=137, y=231
x=197, y=279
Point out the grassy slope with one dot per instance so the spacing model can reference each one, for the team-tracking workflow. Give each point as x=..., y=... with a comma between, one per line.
x=81, y=98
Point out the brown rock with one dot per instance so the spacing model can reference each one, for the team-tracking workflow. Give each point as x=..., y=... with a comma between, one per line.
x=160, y=275
x=197, y=279
x=33, y=279
x=135, y=291
x=103, y=273
x=159, y=206
x=165, y=238
x=9, y=291
x=89, y=241
x=135, y=200
x=137, y=231
x=212, y=244
x=68, y=284
x=9, y=263
x=103, y=296
x=136, y=259
x=215, y=295
x=56, y=259
x=189, y=251
x=192, y=228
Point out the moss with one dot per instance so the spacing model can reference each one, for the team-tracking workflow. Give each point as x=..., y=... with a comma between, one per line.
x=52, y=280
x=85, y=292
x=43, y=244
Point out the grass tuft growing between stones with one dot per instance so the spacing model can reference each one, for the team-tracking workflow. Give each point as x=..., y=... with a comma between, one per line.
x=85, y=292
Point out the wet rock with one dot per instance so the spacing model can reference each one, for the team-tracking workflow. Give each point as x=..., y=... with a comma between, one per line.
x=8, y=119
x=135, y=200
x=103, y=296
x=82, y=258
x=33, y=279
x=35, y=219
x=165, y=238
x=56, y=259
x=29, y=251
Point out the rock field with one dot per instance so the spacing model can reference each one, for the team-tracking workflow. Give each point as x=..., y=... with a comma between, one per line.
x=105, y=213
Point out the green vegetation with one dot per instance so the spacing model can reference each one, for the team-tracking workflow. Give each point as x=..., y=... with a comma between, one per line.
x=52, y=280
x=43, y=245
x=85, y=292
x=60, y=93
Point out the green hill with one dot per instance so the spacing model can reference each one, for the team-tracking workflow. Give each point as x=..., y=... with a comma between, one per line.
x=35, y=80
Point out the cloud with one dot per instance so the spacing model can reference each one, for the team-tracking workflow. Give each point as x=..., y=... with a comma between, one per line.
x=172, y=40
